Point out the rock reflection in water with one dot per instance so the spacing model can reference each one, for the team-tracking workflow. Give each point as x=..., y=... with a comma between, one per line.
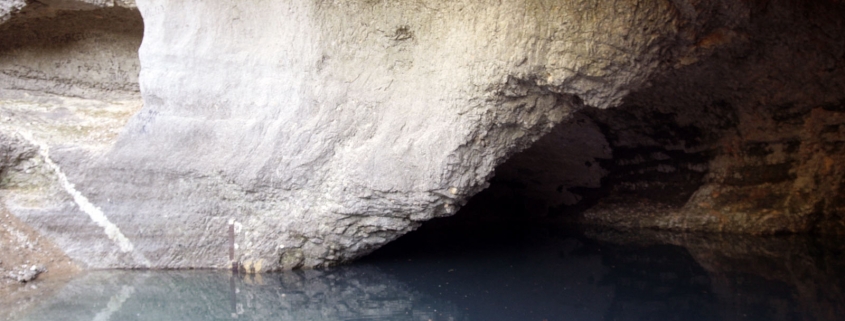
x=797, y=277
x=358, y=293
x=530, y=274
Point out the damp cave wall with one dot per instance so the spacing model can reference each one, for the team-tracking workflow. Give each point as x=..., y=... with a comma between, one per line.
x=323, y=130
x=73, y=48
x=746, y=140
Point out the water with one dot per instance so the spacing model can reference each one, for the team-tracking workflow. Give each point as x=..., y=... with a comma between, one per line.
x=513, y=273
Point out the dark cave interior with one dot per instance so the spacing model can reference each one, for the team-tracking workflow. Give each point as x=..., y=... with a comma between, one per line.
x=749, y=138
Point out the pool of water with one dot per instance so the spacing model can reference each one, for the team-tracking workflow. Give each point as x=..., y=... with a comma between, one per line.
x=496, y=273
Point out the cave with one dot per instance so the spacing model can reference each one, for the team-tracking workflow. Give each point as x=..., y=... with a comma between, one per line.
x=747, y=140
x=709, y=117
x=433, y=160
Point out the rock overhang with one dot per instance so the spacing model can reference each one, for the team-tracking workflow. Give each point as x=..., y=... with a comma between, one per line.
x=325, y=129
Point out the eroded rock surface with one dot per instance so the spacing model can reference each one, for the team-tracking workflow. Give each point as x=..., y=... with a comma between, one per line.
x=323, y=130
x=320, y=130
x=746, y=138
x=78, y=50
x=68, y=81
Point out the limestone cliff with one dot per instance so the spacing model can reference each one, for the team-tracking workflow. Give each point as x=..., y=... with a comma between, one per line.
x=319, y=130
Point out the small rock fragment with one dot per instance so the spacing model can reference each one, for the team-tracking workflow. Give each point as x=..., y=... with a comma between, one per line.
x=29, y=274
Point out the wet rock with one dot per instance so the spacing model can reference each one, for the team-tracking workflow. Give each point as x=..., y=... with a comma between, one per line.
x=26, y=273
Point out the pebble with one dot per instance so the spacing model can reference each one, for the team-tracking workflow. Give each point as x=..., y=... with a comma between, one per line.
x=26, y=274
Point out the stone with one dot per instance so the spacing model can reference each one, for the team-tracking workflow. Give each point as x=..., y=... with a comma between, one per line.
x=10, y=7
x=71, y=48
x=744, y=140
x=334, y=127
x=26, y=273
x=325, y=129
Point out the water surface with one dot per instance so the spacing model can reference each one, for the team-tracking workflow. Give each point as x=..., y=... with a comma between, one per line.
x=496, y=273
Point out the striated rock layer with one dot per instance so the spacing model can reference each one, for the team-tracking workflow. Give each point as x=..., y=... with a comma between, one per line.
x=316, y=131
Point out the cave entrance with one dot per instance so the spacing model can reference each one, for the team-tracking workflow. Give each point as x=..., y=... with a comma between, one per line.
x=742, y=139
x=630, y=157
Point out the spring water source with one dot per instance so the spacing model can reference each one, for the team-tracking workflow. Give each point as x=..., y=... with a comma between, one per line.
x=496, y=273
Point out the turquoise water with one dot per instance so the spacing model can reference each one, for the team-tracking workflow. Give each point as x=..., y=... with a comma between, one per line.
x=522, y=273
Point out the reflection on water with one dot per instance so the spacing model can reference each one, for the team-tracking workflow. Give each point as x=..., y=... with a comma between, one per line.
x=341, y=294
x=530, y=274
x=776, y=278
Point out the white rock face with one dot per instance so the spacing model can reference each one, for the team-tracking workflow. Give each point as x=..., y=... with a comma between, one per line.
x=324, y=129
x=9, y=7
